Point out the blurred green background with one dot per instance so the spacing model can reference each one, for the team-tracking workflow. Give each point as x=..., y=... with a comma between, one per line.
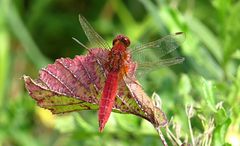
x=35, y=33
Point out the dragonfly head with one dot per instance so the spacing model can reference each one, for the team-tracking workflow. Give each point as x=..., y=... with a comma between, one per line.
x=121, y=39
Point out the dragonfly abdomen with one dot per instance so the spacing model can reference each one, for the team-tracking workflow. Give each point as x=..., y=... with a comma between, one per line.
x=107, y=99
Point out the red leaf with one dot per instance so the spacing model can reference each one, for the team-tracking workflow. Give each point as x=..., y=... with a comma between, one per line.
x=76, y=84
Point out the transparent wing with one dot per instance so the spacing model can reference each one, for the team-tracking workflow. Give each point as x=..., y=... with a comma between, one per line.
x=94, y=38
x=162, y=46
x=164, y=62
x=150, y=56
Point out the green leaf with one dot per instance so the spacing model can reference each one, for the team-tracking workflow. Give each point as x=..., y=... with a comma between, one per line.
x=220, y=116
x=184, y=85
x=21, y=32
x=208, y=94
x=206, y=36
x=127, y=122
x=4, y=50
x=220, y=132
x=232, y=31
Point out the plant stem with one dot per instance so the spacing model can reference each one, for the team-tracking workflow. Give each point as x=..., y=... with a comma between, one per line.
x=191, y=132
x=161, y=136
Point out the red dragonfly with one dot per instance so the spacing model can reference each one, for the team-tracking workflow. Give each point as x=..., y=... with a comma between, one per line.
x=117, y=63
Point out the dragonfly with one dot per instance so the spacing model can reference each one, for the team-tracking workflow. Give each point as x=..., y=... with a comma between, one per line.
x=119, y=58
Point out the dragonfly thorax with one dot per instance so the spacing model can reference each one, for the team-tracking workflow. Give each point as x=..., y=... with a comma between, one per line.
x=118, y=55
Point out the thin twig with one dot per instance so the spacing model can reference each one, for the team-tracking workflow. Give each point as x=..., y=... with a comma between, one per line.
x=161, y=136
x=190, y=112
x=171, y=136
x=191, y=131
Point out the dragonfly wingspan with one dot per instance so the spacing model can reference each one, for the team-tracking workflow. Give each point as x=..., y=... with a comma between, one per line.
x=162, y=62
x=94, y=38
x=149, y=56
x=162, y=46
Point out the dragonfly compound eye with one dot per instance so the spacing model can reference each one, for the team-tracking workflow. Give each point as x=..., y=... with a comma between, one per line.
x=123, y=39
